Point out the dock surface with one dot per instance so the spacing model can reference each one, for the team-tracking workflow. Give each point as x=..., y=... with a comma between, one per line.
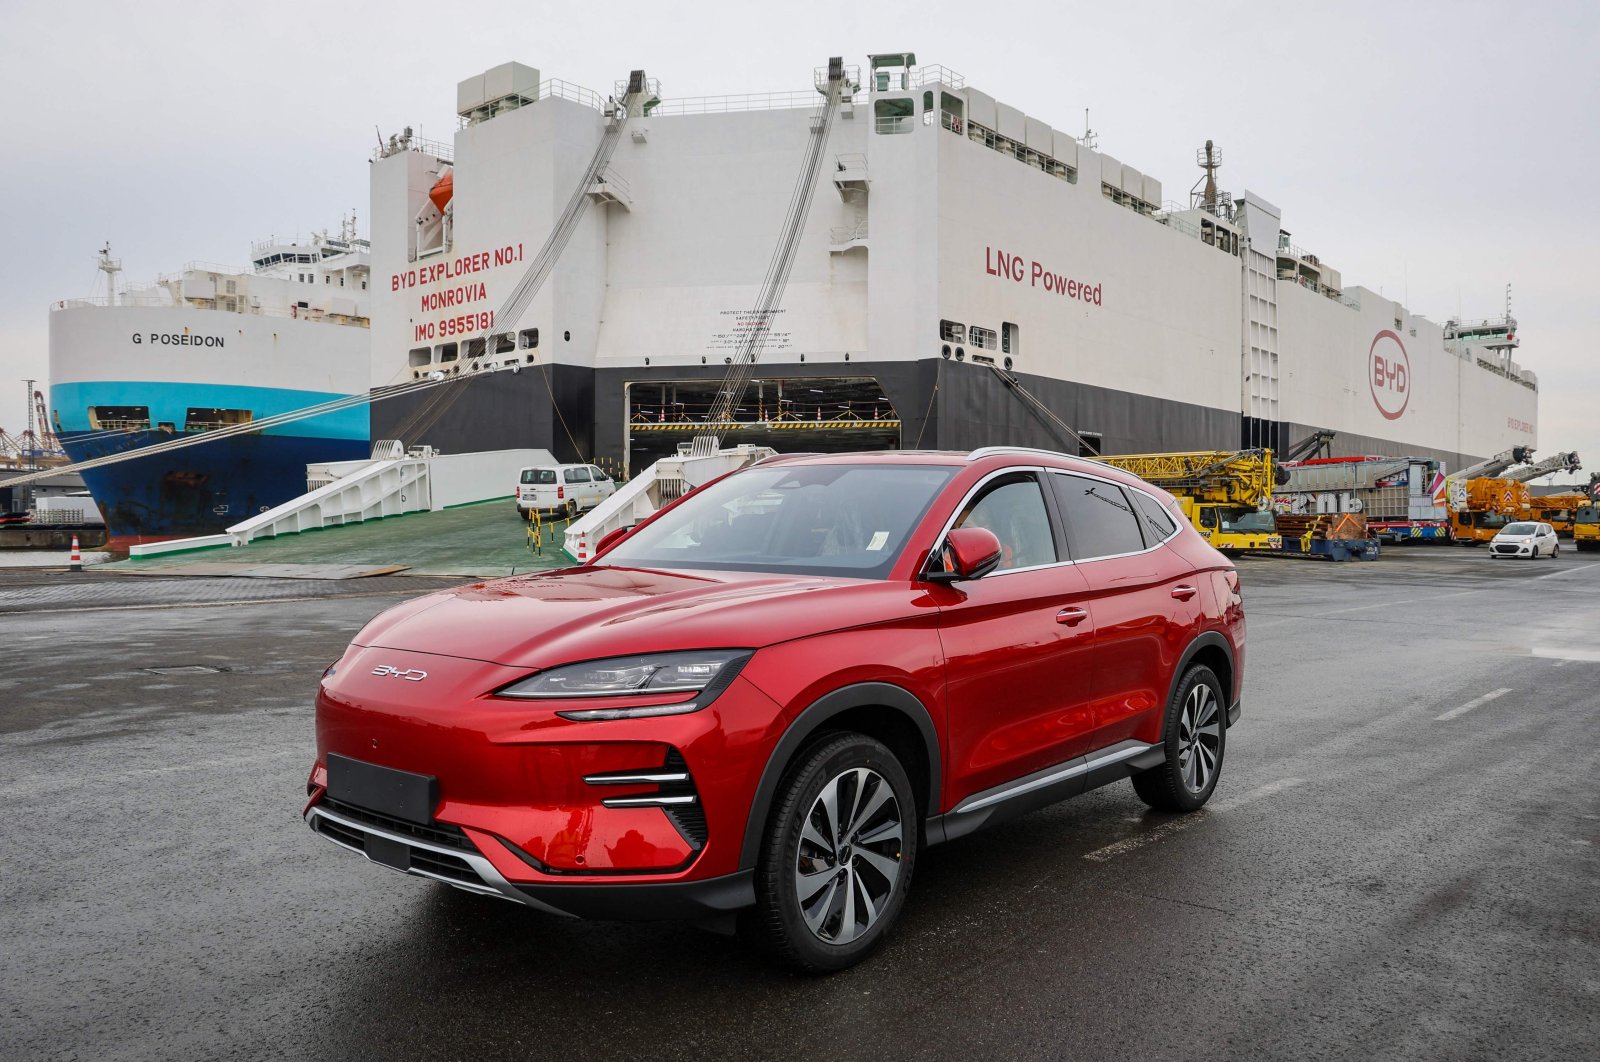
x=1401, y=859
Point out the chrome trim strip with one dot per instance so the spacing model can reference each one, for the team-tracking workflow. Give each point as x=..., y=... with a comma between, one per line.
x=493, y=883
x=650, y=801
x=637, y=778
x=990, y=451
x=1077, y=767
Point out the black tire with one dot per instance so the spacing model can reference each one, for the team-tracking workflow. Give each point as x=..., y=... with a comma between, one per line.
x=1184, y=782
x=779, y=922
x=1555, y=551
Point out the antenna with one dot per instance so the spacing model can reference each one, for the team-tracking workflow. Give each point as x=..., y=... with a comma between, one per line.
x=33, y=440
x=1091, y=139
x=110, y=267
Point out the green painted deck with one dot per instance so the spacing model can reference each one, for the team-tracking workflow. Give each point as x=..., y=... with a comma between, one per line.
x=480, y=540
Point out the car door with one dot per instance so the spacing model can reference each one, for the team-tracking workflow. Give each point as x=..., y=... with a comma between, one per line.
x=578, y=486
x=1018, y=667
x=1147, y=601
x=604, y=486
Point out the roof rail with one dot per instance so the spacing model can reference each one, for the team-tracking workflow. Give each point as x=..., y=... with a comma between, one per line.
x=990, y=451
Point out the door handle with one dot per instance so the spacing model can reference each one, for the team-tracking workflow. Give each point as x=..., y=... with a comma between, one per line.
x=1184, y=593
x=1072, y=616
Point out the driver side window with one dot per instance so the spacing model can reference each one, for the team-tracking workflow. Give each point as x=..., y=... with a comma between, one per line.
x=1013, y=508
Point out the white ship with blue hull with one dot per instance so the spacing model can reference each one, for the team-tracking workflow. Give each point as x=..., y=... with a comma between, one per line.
x=208, y=348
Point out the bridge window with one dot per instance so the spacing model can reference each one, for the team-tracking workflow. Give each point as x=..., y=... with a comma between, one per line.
x=528, y=338
x=983, y=337
x=447, y=351
x=894, y=116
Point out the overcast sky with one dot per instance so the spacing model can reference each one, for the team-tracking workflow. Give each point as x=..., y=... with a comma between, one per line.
x=1436, y=151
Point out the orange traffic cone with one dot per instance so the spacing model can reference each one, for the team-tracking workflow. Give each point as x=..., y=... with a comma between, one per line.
x=77, y=558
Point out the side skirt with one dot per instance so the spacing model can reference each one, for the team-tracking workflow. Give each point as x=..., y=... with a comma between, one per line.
x=1043, y=788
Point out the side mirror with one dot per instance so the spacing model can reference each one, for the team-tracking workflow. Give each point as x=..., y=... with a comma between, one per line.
x=972, y=551
x=610, y=539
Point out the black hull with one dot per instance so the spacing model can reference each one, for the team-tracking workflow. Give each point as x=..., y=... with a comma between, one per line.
x=581, y=414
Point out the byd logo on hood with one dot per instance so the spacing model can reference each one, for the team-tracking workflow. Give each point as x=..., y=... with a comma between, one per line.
x=1389, y=373
x=413, y=675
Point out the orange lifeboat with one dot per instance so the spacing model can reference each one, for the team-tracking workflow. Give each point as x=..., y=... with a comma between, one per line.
x=442, y=190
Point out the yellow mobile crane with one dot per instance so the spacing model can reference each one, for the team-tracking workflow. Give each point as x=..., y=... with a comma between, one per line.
x=1223, y=494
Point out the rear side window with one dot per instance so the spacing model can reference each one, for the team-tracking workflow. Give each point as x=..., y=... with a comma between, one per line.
x=577, y=475
x=1013, y=508
x=539, y=476
x=1100, y=520
x=1156, y=522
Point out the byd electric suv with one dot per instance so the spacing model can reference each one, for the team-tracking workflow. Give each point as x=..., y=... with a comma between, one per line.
x=760, y=704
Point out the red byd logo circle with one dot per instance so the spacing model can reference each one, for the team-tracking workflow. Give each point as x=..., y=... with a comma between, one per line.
x=1389, y=374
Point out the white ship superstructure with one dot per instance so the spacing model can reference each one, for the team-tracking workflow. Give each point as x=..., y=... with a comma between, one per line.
x=966, y=274
x=211, y=347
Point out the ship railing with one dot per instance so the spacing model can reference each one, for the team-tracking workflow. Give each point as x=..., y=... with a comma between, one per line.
x=292, y=313
x=566, y=90
x=440, y=150
x=894, y=123
x=927, y=75
x=752, y=101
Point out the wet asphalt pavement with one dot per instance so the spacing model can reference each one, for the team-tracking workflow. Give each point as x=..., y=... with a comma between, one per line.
x=1393, y=865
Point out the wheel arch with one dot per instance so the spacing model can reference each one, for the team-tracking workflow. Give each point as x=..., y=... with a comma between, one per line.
x=880, y=710
x=1213, y=650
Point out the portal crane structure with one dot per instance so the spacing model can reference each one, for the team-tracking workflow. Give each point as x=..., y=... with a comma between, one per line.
x=1224, y=494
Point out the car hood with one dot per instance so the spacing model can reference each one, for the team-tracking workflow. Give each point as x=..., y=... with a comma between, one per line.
x=589, y=613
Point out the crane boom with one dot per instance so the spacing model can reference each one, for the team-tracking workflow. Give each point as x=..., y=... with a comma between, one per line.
x=1567, y=462
x=1240, y=477
x=1517, y=455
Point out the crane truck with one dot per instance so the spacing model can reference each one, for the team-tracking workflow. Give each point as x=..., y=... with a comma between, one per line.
x=1586, y=521
x=1224, y=494
x=1480, y=503
x=1557, y=510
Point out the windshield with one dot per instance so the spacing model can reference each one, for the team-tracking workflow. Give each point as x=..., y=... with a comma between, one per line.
x=850, y=520
x=538, y=475
x=1520, y=529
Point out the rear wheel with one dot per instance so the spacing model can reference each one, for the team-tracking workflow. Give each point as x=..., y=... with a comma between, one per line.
x=1195, y=736
x=836, y=862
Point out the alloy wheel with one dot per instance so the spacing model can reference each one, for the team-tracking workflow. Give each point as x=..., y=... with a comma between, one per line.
x=1199, y=737
x=848, y=860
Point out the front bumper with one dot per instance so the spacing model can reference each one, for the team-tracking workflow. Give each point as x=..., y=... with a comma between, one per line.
x=1512, y=549
x=437, y=854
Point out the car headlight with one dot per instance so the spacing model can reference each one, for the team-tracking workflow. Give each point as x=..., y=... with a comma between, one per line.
x=705, y=671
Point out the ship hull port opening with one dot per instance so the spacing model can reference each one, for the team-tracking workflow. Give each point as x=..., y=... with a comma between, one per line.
x=823, y=414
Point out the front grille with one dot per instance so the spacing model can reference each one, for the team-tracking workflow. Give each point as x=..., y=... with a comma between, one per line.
x=338, y=831
x=444, y=866
x=439, y=833
x=1505, y=549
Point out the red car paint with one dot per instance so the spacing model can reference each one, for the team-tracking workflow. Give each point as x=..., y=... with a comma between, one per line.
x=1016, y=672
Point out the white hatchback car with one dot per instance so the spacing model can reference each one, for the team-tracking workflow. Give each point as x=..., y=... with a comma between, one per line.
x=1524, y=539
x=562, y=488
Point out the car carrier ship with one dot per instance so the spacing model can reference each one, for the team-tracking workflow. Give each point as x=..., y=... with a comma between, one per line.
x=889, y=257
x=207, y=348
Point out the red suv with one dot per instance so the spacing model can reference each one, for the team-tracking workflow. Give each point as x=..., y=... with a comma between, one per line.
x=764, y=700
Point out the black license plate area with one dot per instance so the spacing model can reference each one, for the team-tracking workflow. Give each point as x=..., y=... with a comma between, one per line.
x=404, y=795
x=395, y=854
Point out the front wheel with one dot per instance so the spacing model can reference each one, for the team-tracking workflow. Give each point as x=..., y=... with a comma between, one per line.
x=1195, y=735
x=835, y=865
